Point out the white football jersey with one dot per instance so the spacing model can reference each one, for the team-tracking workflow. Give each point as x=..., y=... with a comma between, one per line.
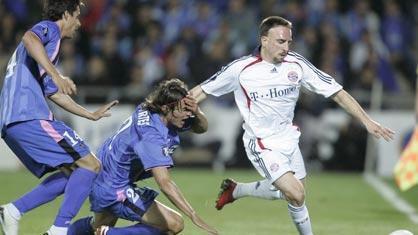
x=266, y=93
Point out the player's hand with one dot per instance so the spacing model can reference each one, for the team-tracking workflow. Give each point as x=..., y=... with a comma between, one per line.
x=65, y=84
x=103, y=111
x=201, y=224
x=190, y=104
x=378, y=131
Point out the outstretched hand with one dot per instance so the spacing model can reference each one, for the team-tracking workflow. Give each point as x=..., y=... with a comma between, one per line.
x=202, y=224
x=378, y=131
x=103, y=111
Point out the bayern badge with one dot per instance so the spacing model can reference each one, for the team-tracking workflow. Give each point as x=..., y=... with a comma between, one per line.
x=292, y=76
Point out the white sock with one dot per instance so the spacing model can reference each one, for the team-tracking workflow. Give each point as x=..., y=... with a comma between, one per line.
x=261, y=189
x=14, y=212
x=300, y=217
x=58, y=230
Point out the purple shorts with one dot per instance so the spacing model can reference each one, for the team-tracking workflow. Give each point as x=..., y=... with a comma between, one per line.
x=130, y=203
x=44, y=145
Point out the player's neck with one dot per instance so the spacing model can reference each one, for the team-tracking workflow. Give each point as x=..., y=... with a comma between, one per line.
x=164, y=119
x=267, y=58
x=60, y=24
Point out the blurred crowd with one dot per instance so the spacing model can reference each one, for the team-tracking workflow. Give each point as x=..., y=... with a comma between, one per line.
x=133, y=44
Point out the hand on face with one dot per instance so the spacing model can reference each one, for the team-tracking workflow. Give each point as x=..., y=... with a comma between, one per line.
x=189, y=103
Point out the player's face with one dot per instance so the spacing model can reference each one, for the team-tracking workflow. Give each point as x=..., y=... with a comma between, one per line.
x=275, y=45
x=179, y=115
x=72, y=23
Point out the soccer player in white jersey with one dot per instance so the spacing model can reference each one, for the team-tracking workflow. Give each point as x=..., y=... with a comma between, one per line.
x=266, y=87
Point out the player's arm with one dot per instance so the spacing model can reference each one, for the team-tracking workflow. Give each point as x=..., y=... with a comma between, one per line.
x=67, y=103
x=347, y=102
x=173, y=193
x=198, y=94
x=37, y=51
x=200, y=123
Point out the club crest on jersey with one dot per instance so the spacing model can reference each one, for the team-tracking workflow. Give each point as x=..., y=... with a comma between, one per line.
x=168, y=151
x=274, y=167
x=292, y=76
x=45, y=31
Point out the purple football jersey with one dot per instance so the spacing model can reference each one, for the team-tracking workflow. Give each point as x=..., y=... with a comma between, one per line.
x=26, y=83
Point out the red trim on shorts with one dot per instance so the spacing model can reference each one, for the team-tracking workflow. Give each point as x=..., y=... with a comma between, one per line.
x=261, y=144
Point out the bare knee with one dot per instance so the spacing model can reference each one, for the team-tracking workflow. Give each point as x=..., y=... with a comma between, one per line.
x=89, y=162
x=296, y=197
x=176, y=224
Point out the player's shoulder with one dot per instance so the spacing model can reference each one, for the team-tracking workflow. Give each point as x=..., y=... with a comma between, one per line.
x=295, y=57
x=46, y=27
x=241, y=62
x=47, y=24
x=148, y=122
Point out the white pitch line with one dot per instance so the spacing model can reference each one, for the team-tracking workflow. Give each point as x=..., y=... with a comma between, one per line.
x=392, y=197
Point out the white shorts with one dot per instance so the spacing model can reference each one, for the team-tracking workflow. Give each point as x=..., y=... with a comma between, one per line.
x=273, y=158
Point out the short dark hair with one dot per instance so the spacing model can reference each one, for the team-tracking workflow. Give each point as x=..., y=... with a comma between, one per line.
x=271, y=22
x=54, y=9
x=169, y=92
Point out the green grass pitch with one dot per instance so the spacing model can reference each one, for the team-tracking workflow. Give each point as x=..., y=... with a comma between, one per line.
x=340, y=204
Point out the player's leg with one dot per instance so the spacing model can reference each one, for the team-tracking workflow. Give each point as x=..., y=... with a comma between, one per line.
x=158, y=220
x=292, y=185
x=18, y=137
x=48, y=190
x=295, y=194
x=46, y=145
x=89, y=224
x=140, y=205
x=76, y=191
x=164, y=218
x=232, y=190
x=81, y=179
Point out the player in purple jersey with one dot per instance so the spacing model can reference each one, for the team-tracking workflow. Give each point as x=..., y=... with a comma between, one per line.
x=143, y=148
x=29, y=128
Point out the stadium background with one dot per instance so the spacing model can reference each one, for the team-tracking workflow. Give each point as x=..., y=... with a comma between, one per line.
x=127, y=46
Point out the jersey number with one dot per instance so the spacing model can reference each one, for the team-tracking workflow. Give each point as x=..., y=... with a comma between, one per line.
x=74, y=140
x=130, y=193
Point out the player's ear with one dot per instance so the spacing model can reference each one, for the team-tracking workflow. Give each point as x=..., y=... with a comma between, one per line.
x=164, y=109
x=66, y=15
x=263, y=40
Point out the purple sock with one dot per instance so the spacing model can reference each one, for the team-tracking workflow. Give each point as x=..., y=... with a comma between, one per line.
x=77, y=190
x=136, y=229
x=81, y=227
x=48, y=190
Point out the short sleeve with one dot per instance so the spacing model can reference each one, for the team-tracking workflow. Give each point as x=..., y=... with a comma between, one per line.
x=152, y=148
x=224, y=81
x=50, y=87
x=316, y=80
x=46, y=31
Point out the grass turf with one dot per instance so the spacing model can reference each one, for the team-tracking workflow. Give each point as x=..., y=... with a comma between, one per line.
x=338, y=203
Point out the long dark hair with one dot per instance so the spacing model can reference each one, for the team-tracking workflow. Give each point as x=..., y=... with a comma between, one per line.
x=54, y=9
x=169, y=92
